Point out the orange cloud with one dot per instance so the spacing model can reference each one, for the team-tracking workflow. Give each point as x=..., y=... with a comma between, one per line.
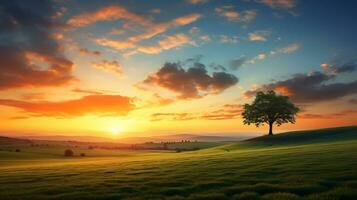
x=284, y=4
x=325, y=66
x=151, y=30
x=161, y=100
x=110, y=66
x=172, y=116
x=284, y=50
x=290, y=48
x=261, y=56
x=113, y=12
x=195, y=2
x=86, y=91
x=155, y=29
x=57, y=36
x=258, y=35
x=85, y=51
x=284, y=90
x=114, y=105
x=172, y=41
x=167, y=43
x=33, y=69
x=234, y=16
x=225, y=112
x=184, y=20
x=116, y=44
x=34, y=96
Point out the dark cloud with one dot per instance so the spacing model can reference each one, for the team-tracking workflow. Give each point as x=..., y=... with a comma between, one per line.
x=217, y=67
x=195, y=82
x=335, y=115
x=113, y=105
x=29, y=55
x=85, y=51
x=339, y=66
x=312, y=87
x=237, y=63
x=349, y=67
x=353, y=101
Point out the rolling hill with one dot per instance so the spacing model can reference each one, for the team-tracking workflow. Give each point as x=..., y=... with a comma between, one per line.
x=297, y=138
x=303, y=165
x=309, y=136
x=11, y=141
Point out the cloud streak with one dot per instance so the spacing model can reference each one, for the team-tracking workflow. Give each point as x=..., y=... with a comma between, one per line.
x=258, y=36
x=283, y=50
x=111, y=105
x=335, y=115
x=109, y=66
x=108, y=13
x=132, y=44
x=224, y=112
x=168, y=42
x=281, y=4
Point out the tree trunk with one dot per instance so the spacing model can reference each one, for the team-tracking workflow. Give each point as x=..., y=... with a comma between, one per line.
x=270, y=128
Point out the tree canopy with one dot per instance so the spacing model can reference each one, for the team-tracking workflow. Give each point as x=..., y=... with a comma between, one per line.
x=269, y=108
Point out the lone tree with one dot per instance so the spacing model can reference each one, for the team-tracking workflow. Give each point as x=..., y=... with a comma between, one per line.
x=269, y=108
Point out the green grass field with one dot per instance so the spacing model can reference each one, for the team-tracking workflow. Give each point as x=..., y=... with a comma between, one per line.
x=314, y=165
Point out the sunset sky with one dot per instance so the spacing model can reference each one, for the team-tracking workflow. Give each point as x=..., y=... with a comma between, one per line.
x=141, y=68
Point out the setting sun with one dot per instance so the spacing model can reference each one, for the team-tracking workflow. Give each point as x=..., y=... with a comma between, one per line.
x=115, y=131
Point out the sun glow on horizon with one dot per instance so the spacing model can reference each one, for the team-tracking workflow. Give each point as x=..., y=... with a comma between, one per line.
x=115, y=131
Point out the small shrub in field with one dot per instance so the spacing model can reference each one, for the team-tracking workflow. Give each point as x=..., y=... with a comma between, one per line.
x=68, y=153
x=82, y=154
x=17, y=150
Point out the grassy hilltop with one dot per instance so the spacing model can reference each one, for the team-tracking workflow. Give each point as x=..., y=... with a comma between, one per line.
x=318, y=164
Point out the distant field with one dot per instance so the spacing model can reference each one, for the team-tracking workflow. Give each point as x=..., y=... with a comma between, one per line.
x=310, y=165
